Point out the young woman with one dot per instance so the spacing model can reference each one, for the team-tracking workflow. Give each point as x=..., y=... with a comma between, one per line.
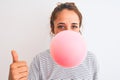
x=65, y=16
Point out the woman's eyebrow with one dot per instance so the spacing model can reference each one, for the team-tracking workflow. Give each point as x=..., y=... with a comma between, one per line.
x=75, y=23
x=60, y=23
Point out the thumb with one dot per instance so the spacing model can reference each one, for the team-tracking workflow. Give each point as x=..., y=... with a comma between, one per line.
x=14, y=56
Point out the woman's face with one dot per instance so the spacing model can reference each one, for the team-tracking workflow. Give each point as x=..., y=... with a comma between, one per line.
x=66, y=20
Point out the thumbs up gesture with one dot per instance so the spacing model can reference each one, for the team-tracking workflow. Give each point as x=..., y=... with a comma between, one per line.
x=18, y=69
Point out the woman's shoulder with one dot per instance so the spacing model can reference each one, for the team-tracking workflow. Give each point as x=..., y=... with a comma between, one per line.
x=43, y=57
x=90, y=58
x=90, y=54
x=43, y=54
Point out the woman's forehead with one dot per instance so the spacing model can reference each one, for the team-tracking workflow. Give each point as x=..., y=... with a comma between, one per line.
x=67, y=15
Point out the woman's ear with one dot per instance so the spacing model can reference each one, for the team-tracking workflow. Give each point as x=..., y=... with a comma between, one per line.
x=80, y=32
x=52, y=34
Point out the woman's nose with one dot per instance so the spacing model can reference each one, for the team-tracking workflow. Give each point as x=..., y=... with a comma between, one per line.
x=68, y=28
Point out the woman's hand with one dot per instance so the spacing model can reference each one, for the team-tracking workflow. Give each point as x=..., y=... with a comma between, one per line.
x=18, y=69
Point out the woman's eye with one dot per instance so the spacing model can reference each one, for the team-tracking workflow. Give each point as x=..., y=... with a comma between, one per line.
x=60, y=27
x=74, y=26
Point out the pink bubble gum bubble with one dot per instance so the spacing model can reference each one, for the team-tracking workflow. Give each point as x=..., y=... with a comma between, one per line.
x=68, y=48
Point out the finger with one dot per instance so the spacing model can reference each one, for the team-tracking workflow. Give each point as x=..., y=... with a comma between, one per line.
x=23, y=69
x=19, y=70
x=22, y=75
x=18, y=64
x=24, y=78
x=14, y=56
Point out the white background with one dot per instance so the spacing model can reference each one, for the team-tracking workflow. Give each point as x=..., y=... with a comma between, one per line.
x=24, y=26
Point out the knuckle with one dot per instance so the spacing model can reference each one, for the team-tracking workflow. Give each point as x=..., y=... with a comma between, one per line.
x=12, y=66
